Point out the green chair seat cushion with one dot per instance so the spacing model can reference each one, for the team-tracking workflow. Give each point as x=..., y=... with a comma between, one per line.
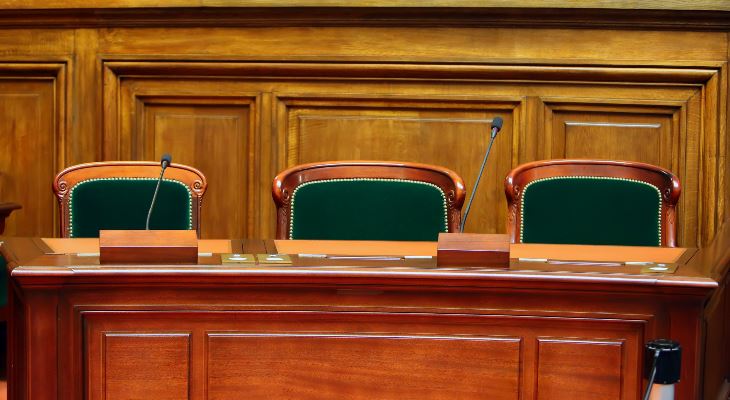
x=368, y=209
x=122, y=203
x=591, y=210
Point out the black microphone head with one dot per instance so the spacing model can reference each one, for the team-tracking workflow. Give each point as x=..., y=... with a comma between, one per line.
x=497, y=123
x=165, y=160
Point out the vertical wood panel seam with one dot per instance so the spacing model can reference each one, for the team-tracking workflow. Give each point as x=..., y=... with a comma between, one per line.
x=722, y=142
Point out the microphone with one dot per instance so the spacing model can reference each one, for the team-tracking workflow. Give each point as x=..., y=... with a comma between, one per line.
x=496, y=127
x=164, y=162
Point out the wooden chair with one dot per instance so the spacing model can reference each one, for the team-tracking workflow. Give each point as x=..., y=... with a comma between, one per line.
x=592, y=202
x=117, y=195
x=367, y=200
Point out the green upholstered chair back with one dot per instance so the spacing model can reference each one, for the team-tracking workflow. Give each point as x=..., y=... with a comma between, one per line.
x=592, y=202
x=117, y=195
x=367, y=200
x=123, y=203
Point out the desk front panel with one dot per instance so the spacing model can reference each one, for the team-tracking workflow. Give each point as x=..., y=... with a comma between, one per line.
x=334, y=343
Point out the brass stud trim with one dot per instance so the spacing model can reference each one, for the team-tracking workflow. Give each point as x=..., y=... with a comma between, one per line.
x=524, y=197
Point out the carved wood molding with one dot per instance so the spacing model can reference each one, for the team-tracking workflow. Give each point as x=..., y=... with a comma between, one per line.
x=51, y=70
x=39, y=126
x=99, y=15
x=57, y=73
x=288, y=134
x=673, y=109
x=441, y=71
x=675, y=112
x=671, y=86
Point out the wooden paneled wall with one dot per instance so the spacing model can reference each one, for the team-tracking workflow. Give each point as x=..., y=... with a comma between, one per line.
x=242, y=97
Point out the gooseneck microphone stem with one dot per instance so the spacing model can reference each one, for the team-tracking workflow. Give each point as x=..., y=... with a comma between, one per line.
x=496, y=127
x=476, y=185
x=166, y=160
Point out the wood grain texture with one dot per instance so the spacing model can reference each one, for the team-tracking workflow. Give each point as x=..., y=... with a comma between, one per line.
x=245, y=91
x=607, y=4
x=330, y=366
x=30, y=125
x=575, y=369
x=538, y=321
x=412, y=121
x=148, y=246
x=407, y=130
x=215, y=137
x=239, y=15
x=133, y=366
x=361, y=354
x=84, y=94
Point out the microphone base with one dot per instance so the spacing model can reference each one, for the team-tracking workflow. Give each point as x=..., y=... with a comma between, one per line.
x=148, y=247
x=473, y=250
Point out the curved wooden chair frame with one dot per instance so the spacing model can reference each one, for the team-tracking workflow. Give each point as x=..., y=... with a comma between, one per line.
x=67, y=179
x=667, y=184
x=287, y=181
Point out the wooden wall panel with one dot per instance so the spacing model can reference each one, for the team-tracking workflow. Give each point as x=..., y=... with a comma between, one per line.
x=295, y=115
x=614, y=135
x=451, y=134
x=213, y=138
x=411, y=88
x=200, y=124
x=423, y=44
x=30, y=134
x=654, y=131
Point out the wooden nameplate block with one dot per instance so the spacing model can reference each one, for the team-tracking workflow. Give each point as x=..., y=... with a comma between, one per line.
x=473, y=250
x=148, y=247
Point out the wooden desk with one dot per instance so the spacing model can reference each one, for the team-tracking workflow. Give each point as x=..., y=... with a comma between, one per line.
x=325, y=328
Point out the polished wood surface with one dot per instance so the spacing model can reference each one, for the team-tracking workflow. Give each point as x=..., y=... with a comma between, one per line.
x=663, y=180
x=286, y=182
x=327, y=327
x=609, y=4
x=148, y=246
x=354, y=247
x=559, y=252
x=243, y=91
x=67, y=179
x=473, y=249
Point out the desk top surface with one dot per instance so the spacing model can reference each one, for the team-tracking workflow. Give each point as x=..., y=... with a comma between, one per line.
x=36, y=261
